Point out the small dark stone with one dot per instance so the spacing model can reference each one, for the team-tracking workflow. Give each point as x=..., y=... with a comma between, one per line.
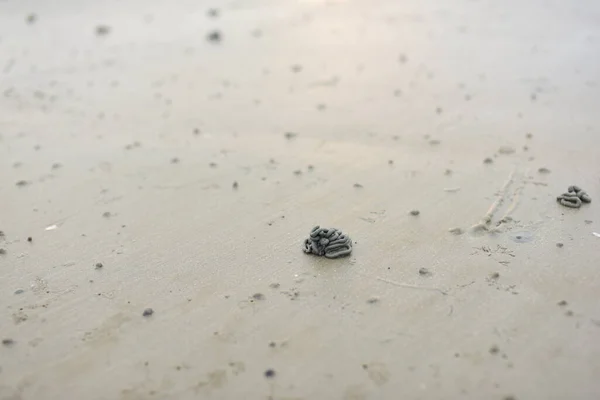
x=2, y=252
x=290, y=135
x=373, y=300
x=390, y=162
x=274, y=285
x=494, y=275
x=562, y=303
x=488, y=160
x=272, y=344
x=569, y=313
x=298, y=172
x=494, y=349
x=196, y=131
x=107, y=214
x=235, y=185
x=148, y=312
x=22, y=183
x=424, y=272
x=212, y=165
x=559, y=245
x=99, y=265
x=19, y=291
x=296, y=68
x=102, y=30
x=543, y=170
x=30, y=239
x=8, y=342
x=270, y=373
x=358, y=186
x=258, y=296
x=175, y=160
x=214, y=36
x=213, y=12
x=415, y=212
x=529, y=136
x=31, y=18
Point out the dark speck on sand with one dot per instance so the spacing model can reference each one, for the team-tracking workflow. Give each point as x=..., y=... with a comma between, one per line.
x=148, y=312
x=102, y=30
x=214, y=37
x=270, y=373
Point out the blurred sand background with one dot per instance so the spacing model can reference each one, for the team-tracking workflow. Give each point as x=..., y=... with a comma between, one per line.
x=121, y=146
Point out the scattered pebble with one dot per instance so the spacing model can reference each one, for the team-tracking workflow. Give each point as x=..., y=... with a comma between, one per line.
x=296, y=68
x=438, y=110
x=358, y=186
x=562, y=303
x=415, y=212
x=148, y=312
x=494, y=275
x=31, y=18
x=272, y=344
x=569, y=313
x=529, y=136
x=212, y=165
x=544, y=170
x=2, y=252
x=434, y=142
x=310, y=167
x=175, y=160
x=235, y=185
x=30, y=239
x=107, y=214
x=587, y=221
x=559, y=244
x=22, y=183
x=258, y=296
x=403, y=58
x=448, y=172
x=214, y=36
x=213, y=12
x=290, y=135
x=488, y=160
x=456, y=231
x=298, y=172
x=269, y=373
x=424, y=272
x=8, y=342
x=274, y=285
x=19, y=291
x=102, y=30
x=373, y=300
x=506, y=150
x=390, y=162
x=56, y=166
x=99, y=265
x=494, y=349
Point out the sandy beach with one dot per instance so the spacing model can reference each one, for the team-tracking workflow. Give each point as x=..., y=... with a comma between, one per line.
x=174, y=156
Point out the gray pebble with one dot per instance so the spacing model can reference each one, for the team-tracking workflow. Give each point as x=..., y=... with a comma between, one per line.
x=148, y=312
x=415, y=212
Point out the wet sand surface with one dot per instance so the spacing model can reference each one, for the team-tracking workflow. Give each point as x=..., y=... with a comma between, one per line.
x=157, y=166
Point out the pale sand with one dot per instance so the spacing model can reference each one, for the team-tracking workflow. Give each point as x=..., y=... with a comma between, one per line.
x=115, y=110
